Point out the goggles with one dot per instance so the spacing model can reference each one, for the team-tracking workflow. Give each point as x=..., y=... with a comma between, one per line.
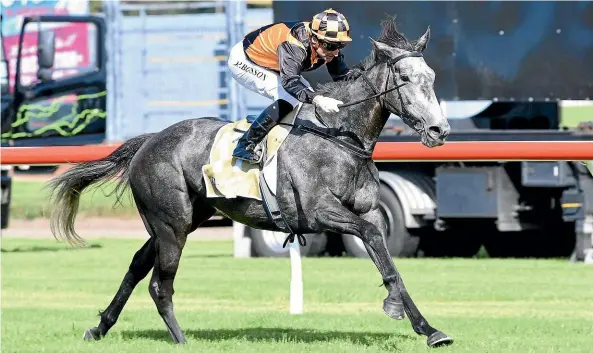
x=331, y=46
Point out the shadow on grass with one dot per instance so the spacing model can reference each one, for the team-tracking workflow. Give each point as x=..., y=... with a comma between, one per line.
x=36, y=248
x=268, y=334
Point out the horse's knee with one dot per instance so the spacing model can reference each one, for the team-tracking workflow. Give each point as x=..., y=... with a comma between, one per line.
x=372, y=236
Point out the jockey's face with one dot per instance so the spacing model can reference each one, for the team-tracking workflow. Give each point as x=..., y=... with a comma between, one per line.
x=326, y=50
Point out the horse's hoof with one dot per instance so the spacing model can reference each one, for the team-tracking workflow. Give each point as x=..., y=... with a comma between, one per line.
x=92, y=334
x=394, y=310
x=439, y=339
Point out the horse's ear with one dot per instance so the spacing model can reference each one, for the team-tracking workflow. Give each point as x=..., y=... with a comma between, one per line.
x=423, y=41
x=380, y=49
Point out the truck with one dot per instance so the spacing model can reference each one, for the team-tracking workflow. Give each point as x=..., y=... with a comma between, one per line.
x=503, y=73
x=53, y=79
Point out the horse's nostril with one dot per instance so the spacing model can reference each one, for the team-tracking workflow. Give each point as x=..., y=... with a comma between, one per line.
x=434, y=130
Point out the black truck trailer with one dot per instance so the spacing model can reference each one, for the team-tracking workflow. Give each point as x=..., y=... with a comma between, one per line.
x=505, y=71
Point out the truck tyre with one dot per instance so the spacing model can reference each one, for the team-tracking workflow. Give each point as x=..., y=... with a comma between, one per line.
x=399, y=240
x=554, y=241
x=266, y=243
x=516, y=244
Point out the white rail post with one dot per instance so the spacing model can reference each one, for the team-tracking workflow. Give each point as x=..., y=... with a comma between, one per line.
x=296, y=279
x=241, y=243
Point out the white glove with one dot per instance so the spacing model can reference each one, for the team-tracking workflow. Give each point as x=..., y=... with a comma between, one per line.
x=327, y=104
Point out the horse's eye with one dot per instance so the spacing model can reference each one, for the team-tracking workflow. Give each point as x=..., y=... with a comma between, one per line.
x=405, y=78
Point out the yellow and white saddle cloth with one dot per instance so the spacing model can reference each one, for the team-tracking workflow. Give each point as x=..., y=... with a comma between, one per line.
x=226, y=176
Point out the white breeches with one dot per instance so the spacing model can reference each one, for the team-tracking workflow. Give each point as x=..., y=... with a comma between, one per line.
x=256, y=78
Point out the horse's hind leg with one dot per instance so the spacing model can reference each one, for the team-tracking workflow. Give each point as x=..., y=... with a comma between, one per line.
x=341, y=220
x=141, y=264
x=161, y=285
x=171, y=227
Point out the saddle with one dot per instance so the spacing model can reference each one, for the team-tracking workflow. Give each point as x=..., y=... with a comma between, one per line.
x=226, y=176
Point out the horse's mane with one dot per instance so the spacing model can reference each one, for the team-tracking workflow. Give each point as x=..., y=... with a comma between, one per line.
x=390, y=35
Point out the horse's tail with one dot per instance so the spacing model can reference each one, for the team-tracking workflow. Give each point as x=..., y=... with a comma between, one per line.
x=67, y=188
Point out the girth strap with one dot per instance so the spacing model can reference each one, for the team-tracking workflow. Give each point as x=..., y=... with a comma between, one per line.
x=273, y=210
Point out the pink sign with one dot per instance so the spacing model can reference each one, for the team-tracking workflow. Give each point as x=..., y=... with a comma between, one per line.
x=72, y=52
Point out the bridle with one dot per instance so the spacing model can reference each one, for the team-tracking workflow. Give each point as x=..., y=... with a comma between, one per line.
x=361, y=152
x=391, y=65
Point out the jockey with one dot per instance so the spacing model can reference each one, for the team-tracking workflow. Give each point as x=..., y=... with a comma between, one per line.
x=269, y=61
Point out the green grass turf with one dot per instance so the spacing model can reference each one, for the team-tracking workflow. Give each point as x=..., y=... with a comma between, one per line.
x=51, y=294
x=30, y=199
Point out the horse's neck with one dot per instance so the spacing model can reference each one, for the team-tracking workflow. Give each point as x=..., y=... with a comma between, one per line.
x=364, y=119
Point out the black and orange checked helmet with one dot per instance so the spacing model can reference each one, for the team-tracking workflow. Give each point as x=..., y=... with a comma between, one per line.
x=331, y=26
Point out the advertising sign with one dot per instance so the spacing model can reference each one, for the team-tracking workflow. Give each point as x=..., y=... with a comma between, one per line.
x=72, y=39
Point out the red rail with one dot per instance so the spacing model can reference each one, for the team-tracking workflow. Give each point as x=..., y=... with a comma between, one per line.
x=486, y=151
x=384, y=151
x=54, y=154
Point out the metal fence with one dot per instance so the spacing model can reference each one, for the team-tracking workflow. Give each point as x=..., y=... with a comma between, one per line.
x=168, y=68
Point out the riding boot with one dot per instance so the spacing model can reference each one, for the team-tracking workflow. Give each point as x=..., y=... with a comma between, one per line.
x=268, y=118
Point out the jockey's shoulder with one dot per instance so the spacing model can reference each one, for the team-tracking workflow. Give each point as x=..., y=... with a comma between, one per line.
x=295, y=32
x=299, y=30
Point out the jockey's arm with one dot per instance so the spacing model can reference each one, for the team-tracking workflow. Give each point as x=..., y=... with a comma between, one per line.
x=338, y=69
x=291, y=58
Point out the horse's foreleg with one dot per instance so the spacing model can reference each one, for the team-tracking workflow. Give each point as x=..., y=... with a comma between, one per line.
x=392, y=305
x=141, y=264
x=370, y=229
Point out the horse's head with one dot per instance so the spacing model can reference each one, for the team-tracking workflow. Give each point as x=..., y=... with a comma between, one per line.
x=410, y=81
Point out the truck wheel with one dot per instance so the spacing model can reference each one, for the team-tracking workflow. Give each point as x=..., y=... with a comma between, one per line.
x=399, y=240
x=266, y=243
x=516, y=244
x=554, y=241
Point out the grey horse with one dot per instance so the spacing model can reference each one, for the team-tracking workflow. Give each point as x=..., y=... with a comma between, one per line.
x=327, y=180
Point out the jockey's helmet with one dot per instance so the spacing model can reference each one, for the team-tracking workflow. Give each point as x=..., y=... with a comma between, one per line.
x=331, y=28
